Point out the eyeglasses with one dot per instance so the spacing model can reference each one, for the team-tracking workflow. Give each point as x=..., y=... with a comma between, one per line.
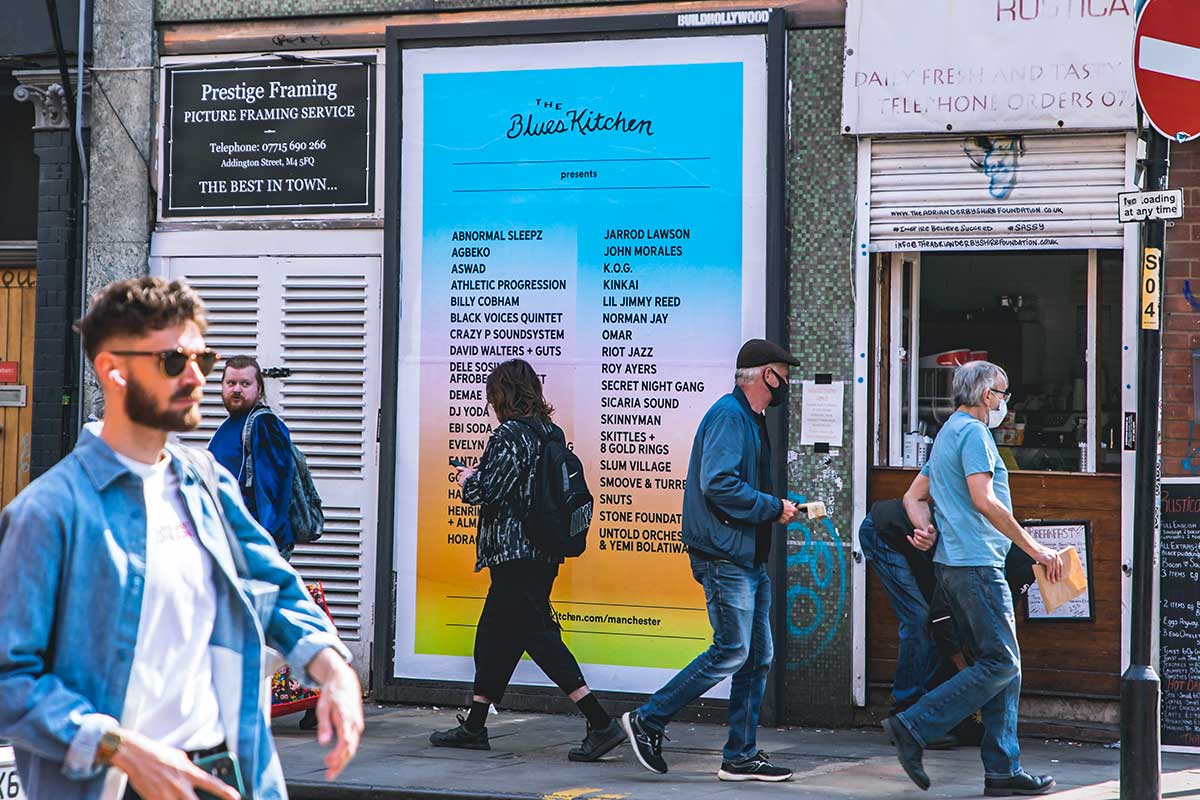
x=173, y=362
x=1006, y=395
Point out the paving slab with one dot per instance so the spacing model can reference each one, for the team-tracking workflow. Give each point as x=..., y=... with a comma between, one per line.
x=528, y=760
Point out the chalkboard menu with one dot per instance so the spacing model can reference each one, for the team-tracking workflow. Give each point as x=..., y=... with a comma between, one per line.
x=1179, y=613
x=269, y=137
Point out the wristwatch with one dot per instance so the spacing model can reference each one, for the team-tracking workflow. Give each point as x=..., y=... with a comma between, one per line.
x=110, y=743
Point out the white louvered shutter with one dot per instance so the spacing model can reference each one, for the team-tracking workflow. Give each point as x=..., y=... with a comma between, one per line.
x=231, y=297
x=330, y=342
x=320, y=318
x=1056, y=191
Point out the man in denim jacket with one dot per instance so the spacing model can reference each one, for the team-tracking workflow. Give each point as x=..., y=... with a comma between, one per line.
x=129, y=647
x=729, y=509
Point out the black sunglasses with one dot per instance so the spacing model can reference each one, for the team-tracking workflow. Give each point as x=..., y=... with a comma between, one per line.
x=173, y=362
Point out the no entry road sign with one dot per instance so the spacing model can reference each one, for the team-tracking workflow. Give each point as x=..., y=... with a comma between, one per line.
x=1166, y=59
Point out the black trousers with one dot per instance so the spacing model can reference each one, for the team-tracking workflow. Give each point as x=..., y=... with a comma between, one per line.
x=517, y=619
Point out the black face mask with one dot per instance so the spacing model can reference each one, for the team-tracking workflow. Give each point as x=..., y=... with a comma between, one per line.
x=778, y=393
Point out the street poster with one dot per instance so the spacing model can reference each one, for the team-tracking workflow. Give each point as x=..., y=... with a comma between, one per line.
x=599, y=210
x=1179, y=613
x=265, y=136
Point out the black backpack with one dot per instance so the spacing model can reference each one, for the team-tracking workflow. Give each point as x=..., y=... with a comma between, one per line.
x=560, y=505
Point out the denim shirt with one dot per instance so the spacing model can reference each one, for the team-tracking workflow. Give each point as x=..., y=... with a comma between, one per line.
x=72, y=570
x=722, y=503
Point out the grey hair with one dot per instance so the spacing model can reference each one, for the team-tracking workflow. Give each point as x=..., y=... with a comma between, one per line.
x=972, y=381
x=746, y=375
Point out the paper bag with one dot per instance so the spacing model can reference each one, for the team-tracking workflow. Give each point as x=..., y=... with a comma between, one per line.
x=1072, y=584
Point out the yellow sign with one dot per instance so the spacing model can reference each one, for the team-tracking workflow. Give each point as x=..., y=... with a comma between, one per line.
x=1151, y=287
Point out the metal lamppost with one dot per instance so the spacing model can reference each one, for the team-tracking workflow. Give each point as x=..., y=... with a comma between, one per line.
x=1141, y=763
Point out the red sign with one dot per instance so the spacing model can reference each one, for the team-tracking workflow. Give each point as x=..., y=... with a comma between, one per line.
x=8, y=371
x=1166, y=66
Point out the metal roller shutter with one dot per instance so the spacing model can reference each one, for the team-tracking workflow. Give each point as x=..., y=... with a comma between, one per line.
x=1055, y=191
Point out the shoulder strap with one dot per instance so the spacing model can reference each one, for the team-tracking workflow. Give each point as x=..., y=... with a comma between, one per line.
x=247, y=451
x=206, y=468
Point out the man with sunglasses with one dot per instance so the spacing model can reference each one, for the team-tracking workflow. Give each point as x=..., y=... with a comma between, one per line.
x=139, y=596
x=968, y=483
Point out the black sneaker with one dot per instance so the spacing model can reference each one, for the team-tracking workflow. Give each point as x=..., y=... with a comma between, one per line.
x=1020, y=784
x=461, y=737
x=757, y=767
x=647, y=744
x=598, y=742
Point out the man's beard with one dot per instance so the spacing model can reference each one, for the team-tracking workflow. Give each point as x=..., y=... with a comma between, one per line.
x=140, y=408
x=236, y=405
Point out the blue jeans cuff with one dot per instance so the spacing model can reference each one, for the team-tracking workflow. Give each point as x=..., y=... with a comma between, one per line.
x=911, y=730
x=648, y=722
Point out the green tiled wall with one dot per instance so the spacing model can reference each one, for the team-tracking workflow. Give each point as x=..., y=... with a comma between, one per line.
x=821, y=180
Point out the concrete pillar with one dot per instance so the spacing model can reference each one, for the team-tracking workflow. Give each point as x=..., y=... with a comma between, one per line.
x=121, y=211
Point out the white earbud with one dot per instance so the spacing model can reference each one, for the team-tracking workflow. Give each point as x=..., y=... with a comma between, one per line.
x=115, y=376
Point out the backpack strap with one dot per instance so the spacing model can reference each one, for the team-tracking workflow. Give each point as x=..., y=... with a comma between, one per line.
x=247, y=451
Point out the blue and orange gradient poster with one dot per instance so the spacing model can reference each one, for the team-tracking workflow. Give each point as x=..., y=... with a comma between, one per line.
x=597, y=209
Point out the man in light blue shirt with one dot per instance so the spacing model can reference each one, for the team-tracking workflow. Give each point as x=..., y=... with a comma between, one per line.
x=968, y=482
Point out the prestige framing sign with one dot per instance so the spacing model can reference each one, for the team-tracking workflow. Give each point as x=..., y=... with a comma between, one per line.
x=987, y=66
x=558, y=203
x=269, y=137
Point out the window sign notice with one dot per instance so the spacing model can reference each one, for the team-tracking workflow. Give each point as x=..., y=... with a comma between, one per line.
x=247, y=138
x=561, y=204
x=821, y=413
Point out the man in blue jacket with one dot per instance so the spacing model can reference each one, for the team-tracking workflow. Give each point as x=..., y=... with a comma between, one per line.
x=729, y=508
x=140, y=597
x=256, y=447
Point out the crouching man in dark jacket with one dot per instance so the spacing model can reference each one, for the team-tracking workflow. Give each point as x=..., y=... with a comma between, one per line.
x=728, y=511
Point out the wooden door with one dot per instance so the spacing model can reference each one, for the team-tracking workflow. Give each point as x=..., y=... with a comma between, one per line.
x=18, y=295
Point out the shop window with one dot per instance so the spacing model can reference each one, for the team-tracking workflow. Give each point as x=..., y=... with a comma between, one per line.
x=1051, y=319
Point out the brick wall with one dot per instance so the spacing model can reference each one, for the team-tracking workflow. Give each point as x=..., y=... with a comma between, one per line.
x=1182, y=332
x=53, y=362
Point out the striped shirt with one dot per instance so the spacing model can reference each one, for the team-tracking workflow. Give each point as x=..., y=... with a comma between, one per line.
x=502, y=487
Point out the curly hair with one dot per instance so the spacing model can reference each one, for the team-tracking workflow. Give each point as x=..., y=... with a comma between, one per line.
x=137, y=305
x=514, y=390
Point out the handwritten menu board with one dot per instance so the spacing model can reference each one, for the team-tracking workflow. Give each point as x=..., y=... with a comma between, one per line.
x=1179, y=613
x=1059, y=536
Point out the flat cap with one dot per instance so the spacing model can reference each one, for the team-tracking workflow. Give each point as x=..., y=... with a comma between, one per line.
x=760, y=352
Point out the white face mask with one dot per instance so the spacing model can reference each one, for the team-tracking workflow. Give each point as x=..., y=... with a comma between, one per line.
x=997, y=415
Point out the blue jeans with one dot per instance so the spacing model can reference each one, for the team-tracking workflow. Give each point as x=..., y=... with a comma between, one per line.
x=981, y=604
x=918, y=659
x=739, y=608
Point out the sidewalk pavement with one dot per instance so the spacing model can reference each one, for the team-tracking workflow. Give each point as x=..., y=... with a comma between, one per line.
x=528, y=760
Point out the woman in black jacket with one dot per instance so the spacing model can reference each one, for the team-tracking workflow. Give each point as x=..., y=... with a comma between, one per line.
x=516, y=616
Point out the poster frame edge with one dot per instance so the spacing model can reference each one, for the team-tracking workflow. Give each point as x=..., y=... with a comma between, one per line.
x=384, y=685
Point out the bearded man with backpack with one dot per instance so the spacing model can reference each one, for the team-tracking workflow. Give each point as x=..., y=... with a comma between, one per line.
x=256, y=447
x=533, y=511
